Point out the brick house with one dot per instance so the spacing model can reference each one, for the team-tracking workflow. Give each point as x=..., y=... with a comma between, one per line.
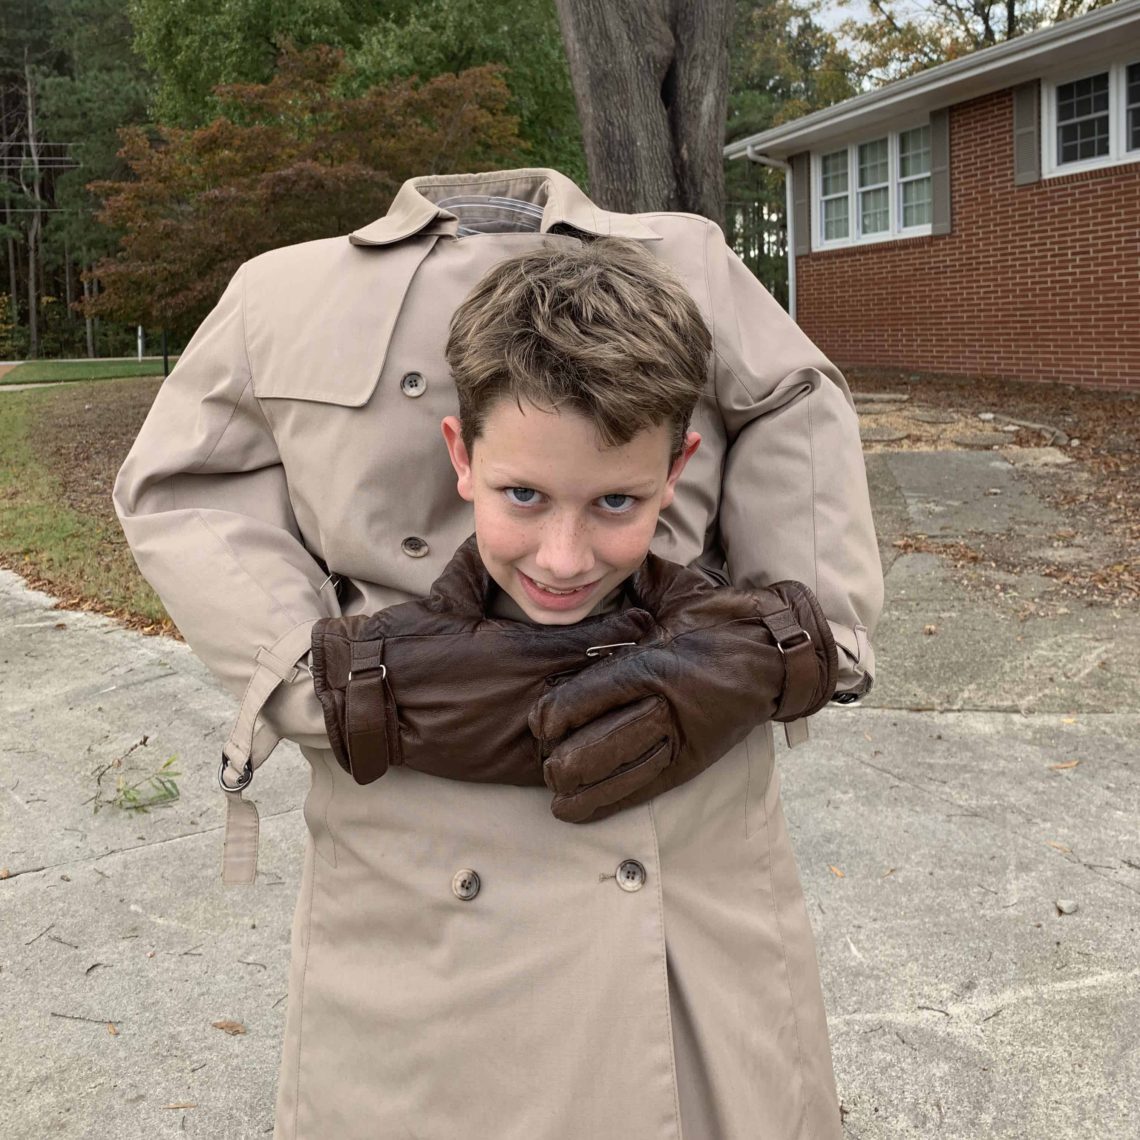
x=981, y=217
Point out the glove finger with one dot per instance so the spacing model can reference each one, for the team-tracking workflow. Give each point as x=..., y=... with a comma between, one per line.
x=597, y=801
x=606, y=747
x=578, y=700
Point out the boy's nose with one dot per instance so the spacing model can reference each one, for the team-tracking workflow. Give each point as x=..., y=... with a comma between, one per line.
x=565, y=553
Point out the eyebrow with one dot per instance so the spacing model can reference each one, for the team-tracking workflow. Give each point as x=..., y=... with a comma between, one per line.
x=506, y=477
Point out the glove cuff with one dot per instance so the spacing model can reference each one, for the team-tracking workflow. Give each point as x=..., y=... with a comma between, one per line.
x=804, y=638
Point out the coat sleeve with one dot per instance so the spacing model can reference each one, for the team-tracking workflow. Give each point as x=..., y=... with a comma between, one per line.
x=203, y=499
x=794, y=502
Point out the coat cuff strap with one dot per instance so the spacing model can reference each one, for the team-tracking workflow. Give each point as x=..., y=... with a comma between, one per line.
x=249, y=745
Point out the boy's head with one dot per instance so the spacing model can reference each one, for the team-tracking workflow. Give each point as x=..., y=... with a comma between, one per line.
x=578, y=366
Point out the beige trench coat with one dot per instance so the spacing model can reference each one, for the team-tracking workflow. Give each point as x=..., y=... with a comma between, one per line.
x=464, y=966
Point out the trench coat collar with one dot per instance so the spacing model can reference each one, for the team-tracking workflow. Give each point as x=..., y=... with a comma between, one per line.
x=413, y=210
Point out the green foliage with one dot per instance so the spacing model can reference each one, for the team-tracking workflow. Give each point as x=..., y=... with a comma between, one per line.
x=782, y=65
x=433, y=37
x=287, y=161
x=195, y=45
x=156, y=789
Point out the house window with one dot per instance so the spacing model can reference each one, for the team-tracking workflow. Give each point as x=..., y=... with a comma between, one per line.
x=1093, y=119
x=833, y=195
x=1082, y=119
x=914, y=177
x=1133, y=97
x=873, y=190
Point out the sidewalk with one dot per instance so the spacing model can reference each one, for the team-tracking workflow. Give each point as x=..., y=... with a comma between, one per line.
x=933, y=847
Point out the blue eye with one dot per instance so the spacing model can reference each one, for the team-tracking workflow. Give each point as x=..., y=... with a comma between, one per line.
x=618, y=504
x=521, y=496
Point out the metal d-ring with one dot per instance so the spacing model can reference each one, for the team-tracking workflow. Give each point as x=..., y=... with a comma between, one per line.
x=243, y=779
x=596, y=650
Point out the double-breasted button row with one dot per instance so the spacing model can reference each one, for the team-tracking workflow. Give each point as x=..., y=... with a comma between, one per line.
x=465, y=882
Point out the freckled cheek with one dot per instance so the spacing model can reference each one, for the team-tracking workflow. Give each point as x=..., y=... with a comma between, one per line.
x=625, y=547
x=501, y=537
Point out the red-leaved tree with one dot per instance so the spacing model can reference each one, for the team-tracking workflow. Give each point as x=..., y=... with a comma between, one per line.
x=288, y=161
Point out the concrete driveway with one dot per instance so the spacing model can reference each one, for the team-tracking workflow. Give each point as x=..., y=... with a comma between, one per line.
x=988, y=784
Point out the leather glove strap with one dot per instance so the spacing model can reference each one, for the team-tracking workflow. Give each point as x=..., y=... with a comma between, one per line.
x=369, y=713
x=800, y=665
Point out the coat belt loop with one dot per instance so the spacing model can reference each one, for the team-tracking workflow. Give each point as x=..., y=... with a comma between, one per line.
x=249, y=745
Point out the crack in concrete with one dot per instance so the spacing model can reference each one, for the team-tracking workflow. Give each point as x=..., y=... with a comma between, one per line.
x=214, y=830
x=995, y=823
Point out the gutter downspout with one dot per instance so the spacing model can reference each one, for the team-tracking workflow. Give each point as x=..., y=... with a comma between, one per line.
x=789, y=209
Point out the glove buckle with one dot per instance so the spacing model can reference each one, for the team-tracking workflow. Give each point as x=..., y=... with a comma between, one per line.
x=798, y=638
x=596, y=650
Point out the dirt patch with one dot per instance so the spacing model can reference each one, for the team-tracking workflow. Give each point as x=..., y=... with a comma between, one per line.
x=1095, y=556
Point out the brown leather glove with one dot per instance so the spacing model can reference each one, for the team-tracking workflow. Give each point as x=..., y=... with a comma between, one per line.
x=437, y=685
x=648, y=718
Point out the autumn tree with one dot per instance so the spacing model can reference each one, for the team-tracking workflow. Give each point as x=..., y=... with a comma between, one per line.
x=651, y=83
x=288, y=161
x=899, y=38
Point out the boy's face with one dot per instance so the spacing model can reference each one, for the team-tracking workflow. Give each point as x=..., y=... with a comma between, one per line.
x=560, y=521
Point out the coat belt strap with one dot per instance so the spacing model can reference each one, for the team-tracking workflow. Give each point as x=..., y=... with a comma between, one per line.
x=249, y=745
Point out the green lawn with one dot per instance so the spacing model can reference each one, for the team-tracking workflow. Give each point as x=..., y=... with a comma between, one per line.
x=45, y=371
x=58, y=529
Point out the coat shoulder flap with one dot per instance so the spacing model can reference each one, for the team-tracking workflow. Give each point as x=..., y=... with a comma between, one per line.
x=319, y=316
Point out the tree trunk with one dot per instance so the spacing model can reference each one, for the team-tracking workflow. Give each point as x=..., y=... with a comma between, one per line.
x=34, y=228
x=651, y=83
x=87, y=294
x=69, y=289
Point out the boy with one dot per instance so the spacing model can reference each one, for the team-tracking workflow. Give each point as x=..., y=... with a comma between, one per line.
x=577, y=371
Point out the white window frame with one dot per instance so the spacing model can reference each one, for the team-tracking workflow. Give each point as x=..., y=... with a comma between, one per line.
x=895, y=231
x=1118, y=154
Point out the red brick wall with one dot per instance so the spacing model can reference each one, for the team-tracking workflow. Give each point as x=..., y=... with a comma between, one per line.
x=1037, y=282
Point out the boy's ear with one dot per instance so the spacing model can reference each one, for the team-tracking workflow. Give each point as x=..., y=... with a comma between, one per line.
x=460, y=459
x=692, y=442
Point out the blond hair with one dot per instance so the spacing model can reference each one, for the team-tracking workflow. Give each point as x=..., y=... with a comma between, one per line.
x=600, y=327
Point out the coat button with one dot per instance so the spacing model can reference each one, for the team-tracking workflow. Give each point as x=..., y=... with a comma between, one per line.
x=631, y=875
x=414, y=547
x=465, y=884
x=413, y=384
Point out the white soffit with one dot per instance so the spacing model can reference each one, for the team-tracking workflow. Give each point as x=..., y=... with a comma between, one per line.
x=1091, y=38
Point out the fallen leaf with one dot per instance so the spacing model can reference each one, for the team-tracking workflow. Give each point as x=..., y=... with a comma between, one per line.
x=181, y=1104
x=1062, y=767
x=233, y=1028
x=930, y=630
x=112, y=1029
x=4, y=872
x=836, y=871
x=888, y=871
x=1068, y=720
x=1059, y=846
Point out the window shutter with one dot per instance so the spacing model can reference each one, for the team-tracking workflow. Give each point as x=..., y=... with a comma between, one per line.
x=801, y=201
x=1026, y=156
x=940, y=171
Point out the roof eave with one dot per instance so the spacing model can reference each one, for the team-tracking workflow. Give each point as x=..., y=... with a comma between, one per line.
x=991, y=69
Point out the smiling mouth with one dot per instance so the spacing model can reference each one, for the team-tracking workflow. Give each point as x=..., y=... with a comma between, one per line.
x=556, y=592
